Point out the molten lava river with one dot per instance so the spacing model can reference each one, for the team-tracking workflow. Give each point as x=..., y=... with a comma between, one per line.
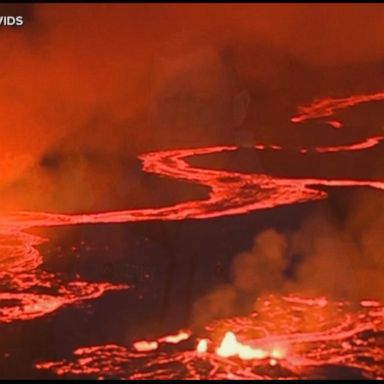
x=287, y=337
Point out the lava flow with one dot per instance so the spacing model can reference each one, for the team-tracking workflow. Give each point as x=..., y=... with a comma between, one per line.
x=288, y=340
x=26, y=292
x=327, y=107
x=285, y=338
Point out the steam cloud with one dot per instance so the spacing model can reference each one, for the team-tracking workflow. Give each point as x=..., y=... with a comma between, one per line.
x=340, y=258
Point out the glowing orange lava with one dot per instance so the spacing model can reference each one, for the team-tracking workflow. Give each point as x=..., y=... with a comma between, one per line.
x=327, y=107
x=335, y=124
x=286, y=338
x=202, y=346
x=146, y=346
x=177, y=338
x=22, y=276
x=281, y=342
